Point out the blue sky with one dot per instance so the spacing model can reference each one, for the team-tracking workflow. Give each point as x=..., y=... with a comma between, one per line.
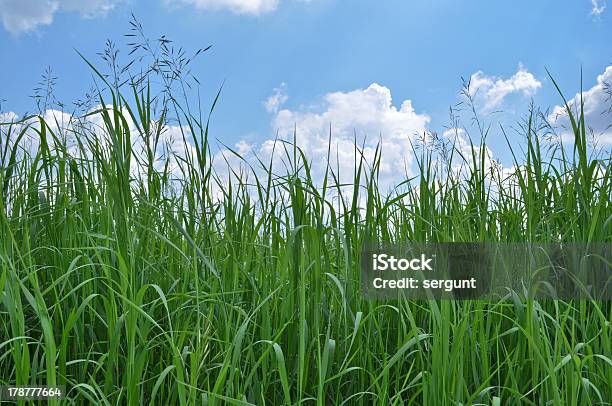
x=311, y=50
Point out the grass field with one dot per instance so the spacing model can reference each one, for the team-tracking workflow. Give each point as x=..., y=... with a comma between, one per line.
x=178, y=286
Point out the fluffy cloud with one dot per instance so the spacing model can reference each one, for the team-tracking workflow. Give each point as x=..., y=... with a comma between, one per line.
x=491, y=91
x=252, y=7
x=597, y=110
x=23, y=16
x=174, y=141
x=363, y=117
x=19, y=16
x=8, y=117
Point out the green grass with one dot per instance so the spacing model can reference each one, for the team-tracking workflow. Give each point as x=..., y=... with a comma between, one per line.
x=149, y=290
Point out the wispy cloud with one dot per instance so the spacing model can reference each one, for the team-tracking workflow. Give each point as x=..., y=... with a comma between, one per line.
x=599, y=6
x=277, y=99
x=22, y=16
x=251, y=7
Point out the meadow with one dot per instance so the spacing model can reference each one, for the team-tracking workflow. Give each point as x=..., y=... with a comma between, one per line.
x=136, y=277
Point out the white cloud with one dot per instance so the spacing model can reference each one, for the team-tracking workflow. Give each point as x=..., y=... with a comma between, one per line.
x=491, y=91
x=366, y=117
x=23, y=16
x=252, y=7
x=19, y=16
x=597, y=110
x=88, y=8
x=598, y=7
x=8, y=117
x=277, y=99
x=64, y=125
x=243, y=147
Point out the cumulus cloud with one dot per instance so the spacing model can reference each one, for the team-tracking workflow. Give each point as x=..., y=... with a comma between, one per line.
x=491, y=91
x=597, y=110
x=174, y=142
x=343, y=126
x=19, y=16
x=363, y=117
x=252, y=7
